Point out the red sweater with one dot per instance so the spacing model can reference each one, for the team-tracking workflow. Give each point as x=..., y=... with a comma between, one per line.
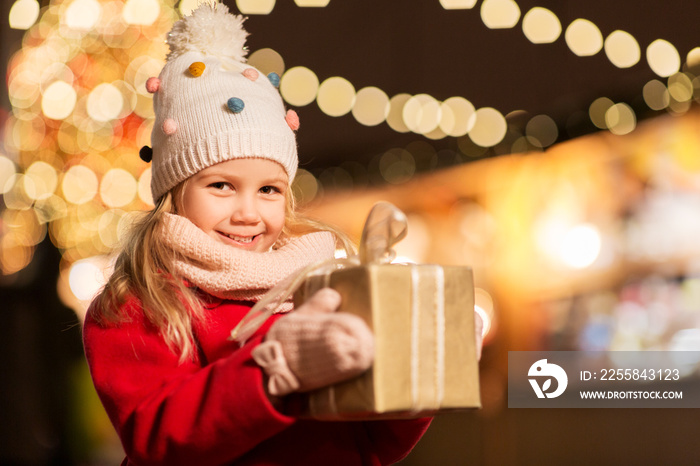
x=213, y=411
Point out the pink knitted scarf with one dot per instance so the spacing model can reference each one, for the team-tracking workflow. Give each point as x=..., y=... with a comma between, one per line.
x=231, y=273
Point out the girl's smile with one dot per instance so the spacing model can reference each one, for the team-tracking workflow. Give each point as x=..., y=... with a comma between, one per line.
x=240, y=202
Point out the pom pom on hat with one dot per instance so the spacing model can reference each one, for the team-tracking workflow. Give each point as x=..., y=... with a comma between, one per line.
x=274, y=79
x=152, y=85
x=210, y=30
x=169, y=126
x=146, y=154
x=235, y=104
x=292, y=119
x=197, y=68
x=251, y=73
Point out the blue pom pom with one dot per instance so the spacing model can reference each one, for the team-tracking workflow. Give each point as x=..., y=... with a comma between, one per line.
x=235, y=104
x=274, y=79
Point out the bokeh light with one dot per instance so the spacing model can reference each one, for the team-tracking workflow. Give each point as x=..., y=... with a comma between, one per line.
x=58, y=100
x=108, y=227
x=305, y=186
x=583, y=38
x=141, y=12
x=16, y=195
x=680, y=87
x=267, y=61
x=14, y=256
x=79, y=184
x=597, y=111
x=395, y=117
x=371, y=106
x=336, y=96
x=656, y=95
x=105, y=102
x=144, y=187
x=118, y=188
x=693, y=57
x=541, y=131
x=312, y=3
x=620, y=119
x=299, y=86
x=24, y=225
x=86, y=277
x=458, y=4
x=397, y=166
x=44, y=179
x=421, y=113
x=23, y=14
x=663, y=58
x=82, y=15
x=458, y=116
x=255, y=7
x=581, y=246
x=7, y=173
x=490, y=127
x=500, y=14
x=541, y=26
x=23, y=87
x=483, y=305
x=622, y=49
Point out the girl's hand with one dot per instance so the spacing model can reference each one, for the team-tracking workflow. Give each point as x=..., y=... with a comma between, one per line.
x=315, y=346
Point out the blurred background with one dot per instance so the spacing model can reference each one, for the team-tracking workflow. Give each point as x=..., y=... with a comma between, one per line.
x=553, y=146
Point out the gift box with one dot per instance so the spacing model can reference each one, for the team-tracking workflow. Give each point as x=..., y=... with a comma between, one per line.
x=422, y=317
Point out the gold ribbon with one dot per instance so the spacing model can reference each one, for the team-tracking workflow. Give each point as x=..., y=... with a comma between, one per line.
x=385, y=226
x=427, y=338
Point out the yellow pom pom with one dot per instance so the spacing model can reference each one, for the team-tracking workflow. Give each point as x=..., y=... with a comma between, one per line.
x=197, y=68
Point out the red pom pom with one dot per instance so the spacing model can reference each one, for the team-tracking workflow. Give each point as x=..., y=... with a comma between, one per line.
x=251, y=73
x=152, y=85
x=169, y=126
x=292, y=119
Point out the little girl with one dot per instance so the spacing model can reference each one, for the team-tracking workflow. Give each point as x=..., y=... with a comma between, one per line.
x=223, y=232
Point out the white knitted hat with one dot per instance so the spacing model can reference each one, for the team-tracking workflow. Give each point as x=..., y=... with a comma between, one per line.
x=211, y=107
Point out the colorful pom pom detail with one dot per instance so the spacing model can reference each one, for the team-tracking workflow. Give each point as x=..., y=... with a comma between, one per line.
x=235, y=104
x=197, y=68
x=146, y=154
x=292, y=119
x=251, y=73
x=169, y=126
x=152, y=85
x=274, y=79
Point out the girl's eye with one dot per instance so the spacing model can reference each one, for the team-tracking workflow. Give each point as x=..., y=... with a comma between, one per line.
x=220, y=185
x=269, y=190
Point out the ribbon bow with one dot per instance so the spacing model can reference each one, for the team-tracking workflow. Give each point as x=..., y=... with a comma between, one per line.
x=385, y=226
x=270, y=356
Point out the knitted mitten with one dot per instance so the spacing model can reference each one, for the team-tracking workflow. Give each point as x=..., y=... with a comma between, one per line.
x=315, y=346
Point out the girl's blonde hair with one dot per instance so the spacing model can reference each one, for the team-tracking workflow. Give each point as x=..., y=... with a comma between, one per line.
x=144, y=270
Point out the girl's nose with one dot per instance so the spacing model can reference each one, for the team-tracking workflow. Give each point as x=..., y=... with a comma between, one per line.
x=245, y=211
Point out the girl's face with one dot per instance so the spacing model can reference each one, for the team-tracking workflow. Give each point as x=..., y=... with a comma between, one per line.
x=239, y=202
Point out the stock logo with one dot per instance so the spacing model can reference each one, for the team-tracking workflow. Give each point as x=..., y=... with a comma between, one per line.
x=542, y=370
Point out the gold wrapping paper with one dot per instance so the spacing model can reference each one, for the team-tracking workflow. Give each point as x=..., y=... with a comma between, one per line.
x=425, y=357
